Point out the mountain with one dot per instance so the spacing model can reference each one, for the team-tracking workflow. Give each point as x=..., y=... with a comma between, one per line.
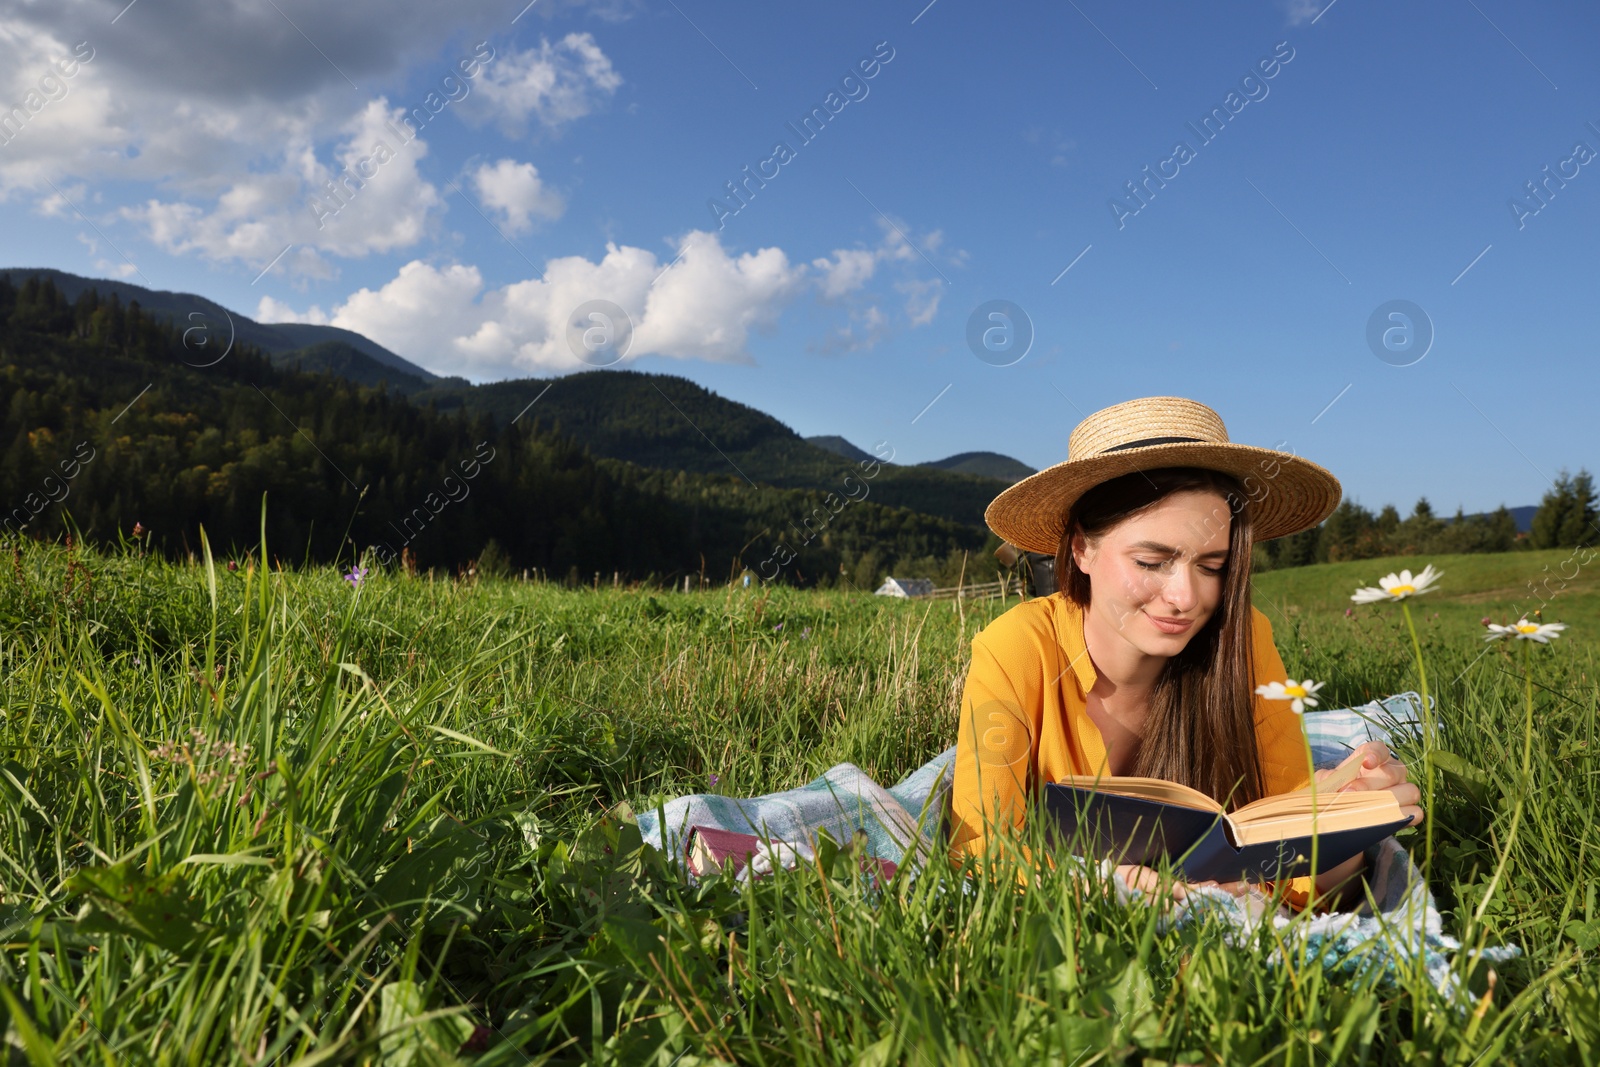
x=672, y=423
x=104, y=402
x=1523, y=515
x=981, y=464
x=279, y=339
x=984, y=464
x=350, y=363
x=658, y=421
x=839, y=447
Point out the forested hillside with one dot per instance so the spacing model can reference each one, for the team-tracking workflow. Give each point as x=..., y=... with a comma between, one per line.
x=106, y=418
x=662, y=420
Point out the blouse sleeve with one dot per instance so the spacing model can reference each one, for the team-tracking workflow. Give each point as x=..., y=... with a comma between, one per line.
x=996, y=743
x=1280, y=738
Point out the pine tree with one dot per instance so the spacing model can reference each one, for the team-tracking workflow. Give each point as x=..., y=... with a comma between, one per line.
x=1551, y=519
x=1345, y=531
x=1301, y=549
x=1581, y=524
x=1502, y=536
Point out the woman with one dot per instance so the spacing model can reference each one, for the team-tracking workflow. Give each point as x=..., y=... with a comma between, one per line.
x=1146, y=659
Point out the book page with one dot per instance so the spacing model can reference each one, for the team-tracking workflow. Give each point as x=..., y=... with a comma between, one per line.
x=1342, y=775
x=1156, y=789
x=1291, y=815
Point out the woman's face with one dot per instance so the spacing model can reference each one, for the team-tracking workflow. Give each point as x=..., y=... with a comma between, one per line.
x=1156, y=578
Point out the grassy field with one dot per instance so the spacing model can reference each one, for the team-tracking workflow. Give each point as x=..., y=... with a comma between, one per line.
x=271, y=818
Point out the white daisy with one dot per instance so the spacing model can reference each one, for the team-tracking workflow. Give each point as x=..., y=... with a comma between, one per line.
x=1398, y=586
x=1304, y=694
x=1523, y=630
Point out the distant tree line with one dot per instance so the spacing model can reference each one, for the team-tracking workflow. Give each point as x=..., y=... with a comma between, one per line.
x=109, y=418
x=1567, y=516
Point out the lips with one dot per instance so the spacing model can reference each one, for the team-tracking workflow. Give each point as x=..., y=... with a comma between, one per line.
x=1169, y=626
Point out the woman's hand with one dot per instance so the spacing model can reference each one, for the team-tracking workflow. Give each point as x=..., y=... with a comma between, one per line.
x=1380, y=770
x=1148, y=880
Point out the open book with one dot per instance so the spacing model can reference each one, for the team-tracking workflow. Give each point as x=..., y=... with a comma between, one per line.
x=1145, y=820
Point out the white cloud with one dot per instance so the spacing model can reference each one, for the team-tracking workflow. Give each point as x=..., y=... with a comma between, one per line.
x=554, y=83
x=867, y=326
x=705, y=306
x=517, y=193
x=270, y=310
x=257, y=51
x=239, y=139
x=369, y=198
x=59, y=203
x=1300, y=12
x=922, y=298
x=849, y=270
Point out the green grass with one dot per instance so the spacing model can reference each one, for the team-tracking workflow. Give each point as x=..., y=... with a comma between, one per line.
x=269, y=819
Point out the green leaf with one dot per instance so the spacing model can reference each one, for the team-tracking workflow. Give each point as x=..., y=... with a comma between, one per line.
x=411, y=1036
x=448, y=866
x=1473, y=780
x=1585, y=935
x=124, y=901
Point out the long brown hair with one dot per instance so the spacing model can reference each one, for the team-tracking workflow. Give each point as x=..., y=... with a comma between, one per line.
x=1200, y=728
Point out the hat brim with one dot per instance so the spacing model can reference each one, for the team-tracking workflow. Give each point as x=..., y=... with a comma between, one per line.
x=1286, y=494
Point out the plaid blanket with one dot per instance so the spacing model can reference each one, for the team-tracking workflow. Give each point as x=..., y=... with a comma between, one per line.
x=904, y=823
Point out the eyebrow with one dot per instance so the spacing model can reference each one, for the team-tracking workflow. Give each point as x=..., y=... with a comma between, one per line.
x=1168, y=550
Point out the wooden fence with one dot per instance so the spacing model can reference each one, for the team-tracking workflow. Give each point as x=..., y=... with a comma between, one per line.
x=978, y=591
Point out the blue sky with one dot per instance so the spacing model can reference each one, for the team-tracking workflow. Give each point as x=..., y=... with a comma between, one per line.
x=980, y=160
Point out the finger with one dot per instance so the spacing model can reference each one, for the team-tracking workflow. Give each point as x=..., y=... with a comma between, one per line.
x=1138, y=877
x=1375, y=754
x=1407, y=795
x=1384, y=776
x=1413, y=813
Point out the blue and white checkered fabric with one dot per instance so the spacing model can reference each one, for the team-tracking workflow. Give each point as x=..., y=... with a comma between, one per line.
x=903, y=823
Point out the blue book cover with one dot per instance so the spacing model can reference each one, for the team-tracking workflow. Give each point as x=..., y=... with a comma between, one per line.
x=1200, y=843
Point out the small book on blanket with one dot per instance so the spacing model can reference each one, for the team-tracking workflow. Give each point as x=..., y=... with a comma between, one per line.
x=1145, y=820
x=707, y=850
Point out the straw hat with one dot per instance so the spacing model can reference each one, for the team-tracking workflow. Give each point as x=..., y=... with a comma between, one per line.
x=1287, y=494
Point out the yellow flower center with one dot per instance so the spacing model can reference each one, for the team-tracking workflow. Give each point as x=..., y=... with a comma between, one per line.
x=1527, y=628
x=1295, y=690
x=1401, y=590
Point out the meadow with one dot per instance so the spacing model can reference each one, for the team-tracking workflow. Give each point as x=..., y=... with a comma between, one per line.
x=265, y=816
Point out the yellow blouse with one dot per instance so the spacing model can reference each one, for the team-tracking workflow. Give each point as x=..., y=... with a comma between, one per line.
x=1024, y=720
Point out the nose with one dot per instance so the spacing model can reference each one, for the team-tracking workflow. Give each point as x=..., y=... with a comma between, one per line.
x=1179, y=589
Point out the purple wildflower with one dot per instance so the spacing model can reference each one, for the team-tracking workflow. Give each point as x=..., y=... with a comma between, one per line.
x=778, y=627
x=356, y=575
x=715, y=778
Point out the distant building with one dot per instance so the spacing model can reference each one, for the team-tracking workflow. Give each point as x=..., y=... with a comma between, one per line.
x=905, y=587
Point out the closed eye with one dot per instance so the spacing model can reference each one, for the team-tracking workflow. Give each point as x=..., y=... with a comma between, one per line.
x=1213, y=571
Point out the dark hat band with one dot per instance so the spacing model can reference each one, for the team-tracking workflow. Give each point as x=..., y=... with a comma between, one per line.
x=1150, y=441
